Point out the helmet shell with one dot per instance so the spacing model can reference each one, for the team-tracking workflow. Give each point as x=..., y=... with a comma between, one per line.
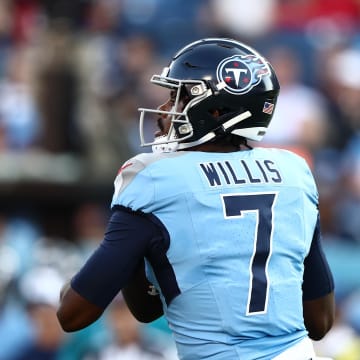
x=240, y=78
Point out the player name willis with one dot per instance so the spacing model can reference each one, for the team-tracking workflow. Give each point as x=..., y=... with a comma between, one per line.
x=222, y=173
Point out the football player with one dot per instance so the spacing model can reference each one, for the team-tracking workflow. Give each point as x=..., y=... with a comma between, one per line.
x=221, y=238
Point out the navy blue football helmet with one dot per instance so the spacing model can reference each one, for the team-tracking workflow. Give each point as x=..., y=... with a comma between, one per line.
x=221, y=76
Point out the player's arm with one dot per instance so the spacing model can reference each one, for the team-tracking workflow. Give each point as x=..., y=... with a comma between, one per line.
x=141, y=297
x=112, y=267
x=76, y=312
x=318, y=290
x=144, y=306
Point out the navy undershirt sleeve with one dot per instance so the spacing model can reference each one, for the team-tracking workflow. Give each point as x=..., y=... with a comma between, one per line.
x=111, y=266
x=318, y=279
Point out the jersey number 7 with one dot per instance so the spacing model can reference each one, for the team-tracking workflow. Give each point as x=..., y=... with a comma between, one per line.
x=262, y=204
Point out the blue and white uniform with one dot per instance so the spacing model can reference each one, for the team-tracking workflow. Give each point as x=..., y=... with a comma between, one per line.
x=228, y=260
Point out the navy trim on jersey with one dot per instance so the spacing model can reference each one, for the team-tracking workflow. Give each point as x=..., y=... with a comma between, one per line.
x=318, y=279
x=130, y=236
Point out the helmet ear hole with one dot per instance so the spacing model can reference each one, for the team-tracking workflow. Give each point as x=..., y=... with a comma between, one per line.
x=219, y=111
x=214, y=112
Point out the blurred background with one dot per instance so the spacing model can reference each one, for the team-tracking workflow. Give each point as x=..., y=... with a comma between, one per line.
x=72, y=75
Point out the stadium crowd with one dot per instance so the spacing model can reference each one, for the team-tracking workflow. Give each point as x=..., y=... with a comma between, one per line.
x=72, y=75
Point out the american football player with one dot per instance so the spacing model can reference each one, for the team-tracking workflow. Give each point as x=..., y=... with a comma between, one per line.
x=221, y=238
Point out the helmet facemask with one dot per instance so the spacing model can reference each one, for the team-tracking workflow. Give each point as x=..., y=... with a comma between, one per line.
x=180, y=128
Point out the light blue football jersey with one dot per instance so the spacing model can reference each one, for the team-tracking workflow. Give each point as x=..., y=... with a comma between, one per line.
x=240, y=226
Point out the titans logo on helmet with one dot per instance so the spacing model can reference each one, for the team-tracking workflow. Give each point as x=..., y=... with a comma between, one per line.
x=241, y=73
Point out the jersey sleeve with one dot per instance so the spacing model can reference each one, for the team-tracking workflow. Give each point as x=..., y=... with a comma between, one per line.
x=133, y=185
x=318, y=278
x=307, y=179
x=111, y=266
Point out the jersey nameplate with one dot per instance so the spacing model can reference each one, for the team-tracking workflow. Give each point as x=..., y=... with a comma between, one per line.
x=222, y=173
